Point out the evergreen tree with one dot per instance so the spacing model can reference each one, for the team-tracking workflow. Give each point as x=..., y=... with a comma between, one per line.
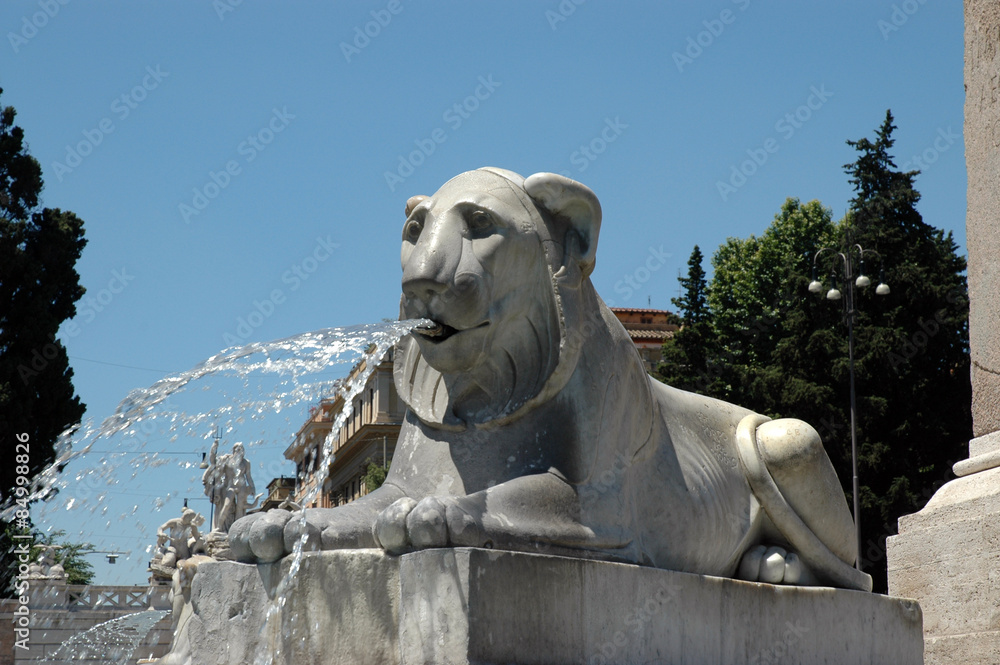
x=783, y=352
x=911, y=348
x=39, y=287
x=688, y=357
x=693, y=305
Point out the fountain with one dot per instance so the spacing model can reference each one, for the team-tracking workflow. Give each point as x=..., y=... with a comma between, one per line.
x=548, y=502
x=110, y=643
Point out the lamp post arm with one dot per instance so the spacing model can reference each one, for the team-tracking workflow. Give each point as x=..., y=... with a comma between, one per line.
x=843, y=257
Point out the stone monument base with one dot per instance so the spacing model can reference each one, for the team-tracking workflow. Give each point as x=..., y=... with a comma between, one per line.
x=468, y=605
x=948, y=556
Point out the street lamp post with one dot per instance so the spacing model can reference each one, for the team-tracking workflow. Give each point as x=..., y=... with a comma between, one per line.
x=861, y=280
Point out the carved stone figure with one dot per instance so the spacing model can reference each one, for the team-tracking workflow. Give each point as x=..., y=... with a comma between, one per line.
x=229, y=485
x=214, y=482
x=45, y=567
x=177, y=539
x=532, y=425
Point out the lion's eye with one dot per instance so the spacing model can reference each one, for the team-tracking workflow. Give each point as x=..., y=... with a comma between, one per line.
x=412, y=229
x=480, y=221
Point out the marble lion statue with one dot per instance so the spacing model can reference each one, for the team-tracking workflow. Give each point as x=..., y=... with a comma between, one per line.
x=533, y=426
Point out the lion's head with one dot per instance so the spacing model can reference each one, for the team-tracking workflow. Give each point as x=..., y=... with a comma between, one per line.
x=498, y=262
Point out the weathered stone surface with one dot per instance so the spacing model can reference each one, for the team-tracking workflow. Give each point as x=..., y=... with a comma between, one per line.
x=983, y=445
x=982, y=158
x=948, y=557
x=468, y=605
x=341, y=603
x=532, y=425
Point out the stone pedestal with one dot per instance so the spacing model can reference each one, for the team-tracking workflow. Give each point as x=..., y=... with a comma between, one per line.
x=948, y=557
x=460, y=606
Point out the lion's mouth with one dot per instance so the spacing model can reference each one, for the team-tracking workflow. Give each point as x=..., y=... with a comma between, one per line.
x=438, y=332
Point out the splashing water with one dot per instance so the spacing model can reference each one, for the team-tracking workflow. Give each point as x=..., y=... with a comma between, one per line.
x=303, y=368
x=112, y=642
x=349, y=391
x=299, y=362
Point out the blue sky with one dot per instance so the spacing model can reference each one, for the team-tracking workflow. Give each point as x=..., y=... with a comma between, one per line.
x=220, y=155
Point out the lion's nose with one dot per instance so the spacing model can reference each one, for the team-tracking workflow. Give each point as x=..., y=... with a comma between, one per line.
x=429, y=269
x=423, y=288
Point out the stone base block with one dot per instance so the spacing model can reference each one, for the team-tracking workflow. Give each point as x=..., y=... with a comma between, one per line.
x=467, y=606
x=948, y=556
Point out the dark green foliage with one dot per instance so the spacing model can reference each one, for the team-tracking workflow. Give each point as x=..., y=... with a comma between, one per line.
x=912, y=347
x=693, y=305
x=689, y=356
x=39, y=287
x=782, y=351
x=375, y=475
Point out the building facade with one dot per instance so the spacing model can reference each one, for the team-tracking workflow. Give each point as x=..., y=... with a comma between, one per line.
x=649, y=329
x=368, y=435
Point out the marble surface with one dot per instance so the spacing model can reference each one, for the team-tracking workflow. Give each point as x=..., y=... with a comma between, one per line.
x=465, y=605
x=533, y=426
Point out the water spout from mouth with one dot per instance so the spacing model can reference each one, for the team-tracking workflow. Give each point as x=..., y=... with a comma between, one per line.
x=430, y=329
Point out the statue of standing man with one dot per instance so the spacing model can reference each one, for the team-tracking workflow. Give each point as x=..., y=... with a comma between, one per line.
x=229, y=486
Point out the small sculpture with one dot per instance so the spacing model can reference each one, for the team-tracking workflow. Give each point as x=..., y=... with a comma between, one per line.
x=45, y=567
x=177, y=539
x=533, y=426
x=229, y=486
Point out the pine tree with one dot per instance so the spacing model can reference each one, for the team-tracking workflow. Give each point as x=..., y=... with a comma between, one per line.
x=693, y=305
x=912, y=347
x=39, y=287
x=688, y=357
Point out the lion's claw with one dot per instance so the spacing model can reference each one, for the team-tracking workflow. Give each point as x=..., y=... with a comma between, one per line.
x=390, y=526
x=432, y=522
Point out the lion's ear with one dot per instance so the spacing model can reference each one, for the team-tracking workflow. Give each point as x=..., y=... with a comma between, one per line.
x=413, y=202
x=574, y=204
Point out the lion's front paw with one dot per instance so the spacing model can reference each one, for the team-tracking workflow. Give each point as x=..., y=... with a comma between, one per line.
x=774, y=565
x=259, y=538
x=431, y=522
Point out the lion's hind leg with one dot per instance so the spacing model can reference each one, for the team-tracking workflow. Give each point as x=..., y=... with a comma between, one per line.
x=794, y=480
